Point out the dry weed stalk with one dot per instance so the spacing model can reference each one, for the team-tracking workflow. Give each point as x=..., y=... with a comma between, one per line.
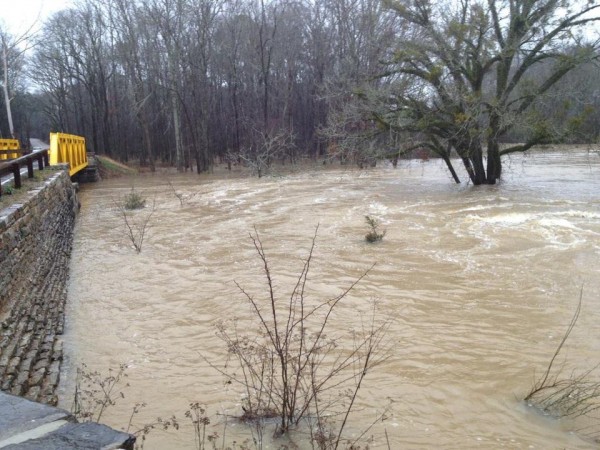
x=95, y=393
x=291, y=368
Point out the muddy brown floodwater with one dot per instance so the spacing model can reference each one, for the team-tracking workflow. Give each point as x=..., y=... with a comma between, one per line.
x=479, y=285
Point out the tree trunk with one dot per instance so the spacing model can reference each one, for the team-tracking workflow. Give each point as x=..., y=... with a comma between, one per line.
x=177, y=129
x=173, y=72
x=205, y=103
x=494, y=163
x=148, y=144
x=448, y=164
x=7, y=98
x=479, y=167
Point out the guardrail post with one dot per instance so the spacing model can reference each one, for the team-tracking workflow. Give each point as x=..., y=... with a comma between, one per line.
x=40, y=160
x=16, y=174
x=29, y=167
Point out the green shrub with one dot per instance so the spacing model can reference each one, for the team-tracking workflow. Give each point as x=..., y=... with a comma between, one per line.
x=134, y=200
x=373, y=235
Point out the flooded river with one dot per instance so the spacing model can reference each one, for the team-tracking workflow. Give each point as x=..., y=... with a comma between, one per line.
x=479, y=285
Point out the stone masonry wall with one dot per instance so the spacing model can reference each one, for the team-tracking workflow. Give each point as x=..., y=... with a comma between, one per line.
x=35, y=247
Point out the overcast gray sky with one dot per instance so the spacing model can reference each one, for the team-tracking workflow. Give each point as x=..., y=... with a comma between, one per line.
x=19, y=15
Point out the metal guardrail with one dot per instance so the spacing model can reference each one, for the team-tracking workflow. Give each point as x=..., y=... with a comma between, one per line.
x=14, y=166
x=10, y=154
x=68, y=148
x=64, y=148
x=9, y=148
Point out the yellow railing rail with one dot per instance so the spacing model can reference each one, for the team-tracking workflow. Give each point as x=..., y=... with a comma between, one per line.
x=9, y=149
x=68, y=148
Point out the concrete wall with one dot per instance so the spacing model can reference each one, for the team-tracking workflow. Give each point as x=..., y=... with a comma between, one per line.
x=35, y=247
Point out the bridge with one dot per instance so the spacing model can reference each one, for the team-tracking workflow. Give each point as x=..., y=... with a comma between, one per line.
x=64, y=149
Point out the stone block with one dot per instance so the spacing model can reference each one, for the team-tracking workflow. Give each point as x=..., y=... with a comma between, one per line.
x=33, y=393
x=36, y=377
x=17, y=389
x=57, y=350
x=41, y=364
x=13, y=365
x=22, y=381
x=54, y=375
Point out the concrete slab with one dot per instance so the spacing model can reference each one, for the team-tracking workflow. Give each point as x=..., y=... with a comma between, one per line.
x=27, y=425
x=79, y=436
x=19, y=415
x=33, y=434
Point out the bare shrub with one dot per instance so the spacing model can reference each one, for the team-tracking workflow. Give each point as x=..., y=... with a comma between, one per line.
x=141, y=433
x=182, y=197
x=292, y=366
x=136, y=223
x=572, y=395
x=267, y=148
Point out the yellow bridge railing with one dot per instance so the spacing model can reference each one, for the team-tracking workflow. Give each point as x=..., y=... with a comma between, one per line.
x=68, y=148
x=9, y=149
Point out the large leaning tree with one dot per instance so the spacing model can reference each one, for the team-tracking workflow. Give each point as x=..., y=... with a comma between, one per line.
x=467, y=71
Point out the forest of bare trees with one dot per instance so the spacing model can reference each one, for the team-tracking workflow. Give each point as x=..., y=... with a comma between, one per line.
x=191, y=83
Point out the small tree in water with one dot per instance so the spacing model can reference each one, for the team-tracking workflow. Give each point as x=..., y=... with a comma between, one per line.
x=373, y=235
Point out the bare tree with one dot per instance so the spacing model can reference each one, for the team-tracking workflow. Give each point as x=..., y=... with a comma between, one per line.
x=13, y=49
x=266, y=149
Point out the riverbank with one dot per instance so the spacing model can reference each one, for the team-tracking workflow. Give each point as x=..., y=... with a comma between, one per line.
x=36, y=241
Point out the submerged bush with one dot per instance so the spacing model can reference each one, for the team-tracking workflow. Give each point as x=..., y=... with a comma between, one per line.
x=373, y=235
x=134, y=200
